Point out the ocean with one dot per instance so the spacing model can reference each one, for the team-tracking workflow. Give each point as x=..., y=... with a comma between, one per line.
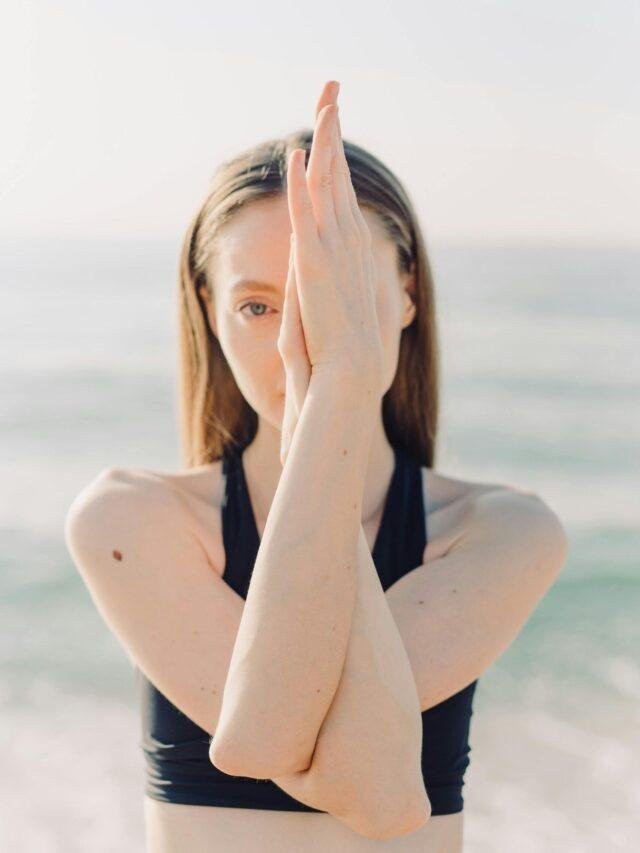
x=541, y=389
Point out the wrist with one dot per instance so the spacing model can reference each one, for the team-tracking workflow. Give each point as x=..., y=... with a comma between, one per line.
x=342, y=386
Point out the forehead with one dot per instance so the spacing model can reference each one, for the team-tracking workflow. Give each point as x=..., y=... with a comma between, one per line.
x=254, y=244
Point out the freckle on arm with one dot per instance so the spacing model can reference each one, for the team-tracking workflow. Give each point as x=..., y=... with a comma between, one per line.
x=117, y=555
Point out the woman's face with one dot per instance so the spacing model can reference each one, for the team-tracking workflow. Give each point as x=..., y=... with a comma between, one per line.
x=249, y=274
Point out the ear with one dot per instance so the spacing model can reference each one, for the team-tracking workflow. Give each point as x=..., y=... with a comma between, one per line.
x=409, y=296
x=209, y=309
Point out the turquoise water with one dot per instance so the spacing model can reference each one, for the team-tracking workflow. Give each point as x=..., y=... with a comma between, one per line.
x=541, y=388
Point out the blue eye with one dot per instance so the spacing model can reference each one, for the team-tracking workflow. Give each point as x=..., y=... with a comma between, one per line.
x=251, y=315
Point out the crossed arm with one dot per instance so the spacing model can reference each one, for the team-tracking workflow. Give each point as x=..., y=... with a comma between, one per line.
x=489, y=560
x=320, y=696
x=327, y=703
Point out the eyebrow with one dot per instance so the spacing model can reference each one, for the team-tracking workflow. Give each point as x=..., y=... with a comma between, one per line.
x=251, y=284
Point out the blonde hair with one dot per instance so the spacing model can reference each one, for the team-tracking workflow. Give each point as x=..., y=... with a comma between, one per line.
x=213, y=414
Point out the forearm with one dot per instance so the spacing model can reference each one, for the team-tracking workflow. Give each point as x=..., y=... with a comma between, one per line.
x=292, y=640
x=366, y=767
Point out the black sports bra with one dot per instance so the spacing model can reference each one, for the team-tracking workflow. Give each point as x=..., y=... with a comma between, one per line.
x=176, y=750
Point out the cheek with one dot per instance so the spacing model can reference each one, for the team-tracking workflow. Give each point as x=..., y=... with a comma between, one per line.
x=388, y=311
x=254, y=360
x=389, y=321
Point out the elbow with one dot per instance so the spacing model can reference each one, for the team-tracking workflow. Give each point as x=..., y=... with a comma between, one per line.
x=254, y=763
x=227, y=757
x=247, y=742
x=226, y=760
x=397, y=815
x=411, y=818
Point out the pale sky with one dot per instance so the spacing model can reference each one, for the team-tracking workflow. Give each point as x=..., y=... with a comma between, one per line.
x=507, y=121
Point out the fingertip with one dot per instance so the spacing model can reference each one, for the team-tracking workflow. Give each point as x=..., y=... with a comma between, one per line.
x=297, y=159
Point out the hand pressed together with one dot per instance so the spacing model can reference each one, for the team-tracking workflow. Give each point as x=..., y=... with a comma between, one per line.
x=329, y=321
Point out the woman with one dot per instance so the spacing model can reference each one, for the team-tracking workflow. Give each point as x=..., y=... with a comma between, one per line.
x=307, y=655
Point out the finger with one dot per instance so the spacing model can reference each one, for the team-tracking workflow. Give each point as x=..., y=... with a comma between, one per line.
x=294, y=327
x=341, y=193
x=341, y=200
x=301, y=213
x=287, y=337
x=329, y=95
x=292, y=343
x=294, y=302
x=302, y=373
x=368, y=265
x=285, y=324
x=319, y=172
x=358, y=217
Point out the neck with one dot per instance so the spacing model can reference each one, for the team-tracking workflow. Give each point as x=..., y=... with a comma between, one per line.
x=261, y=463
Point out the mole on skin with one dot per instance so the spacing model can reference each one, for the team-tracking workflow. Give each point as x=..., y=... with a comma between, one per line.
x=117, y=555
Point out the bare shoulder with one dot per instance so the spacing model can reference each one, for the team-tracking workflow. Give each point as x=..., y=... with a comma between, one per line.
x=191, y=498
x=452, y=506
